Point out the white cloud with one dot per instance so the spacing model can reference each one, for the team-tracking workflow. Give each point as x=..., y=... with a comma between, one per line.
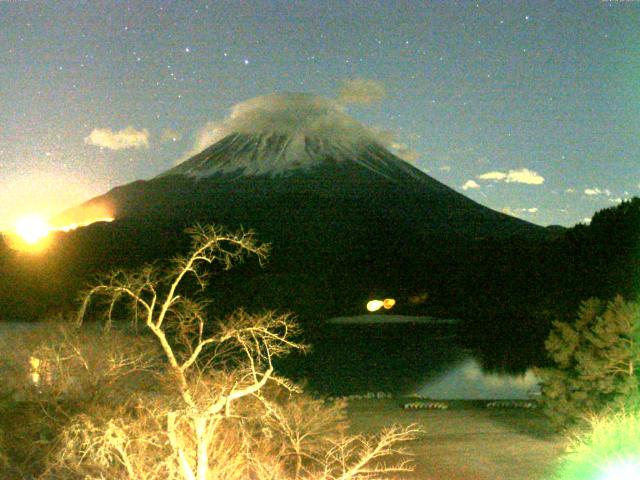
x=296, y=114
x=361, y=91
x=586, y=220
x=445, y=168
x=517, y=212
x=570, y=190
x=508, y=211
x=469, y=184
x=596, y=191
x=524, y=175
x=493, y=176
x=400, y=149
x=123, y=139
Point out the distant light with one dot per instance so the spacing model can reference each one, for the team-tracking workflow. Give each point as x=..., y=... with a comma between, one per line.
x=388, y=303
x=31, y=232
x=374, y=305
x=32, y=228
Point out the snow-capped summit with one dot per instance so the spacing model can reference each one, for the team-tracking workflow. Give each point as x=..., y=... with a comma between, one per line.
x=279, y=134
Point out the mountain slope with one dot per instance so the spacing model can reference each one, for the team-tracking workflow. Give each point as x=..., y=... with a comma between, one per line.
x=346, y=218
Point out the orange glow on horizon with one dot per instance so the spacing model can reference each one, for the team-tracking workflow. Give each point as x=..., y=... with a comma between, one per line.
x=32, y=228
x=31, y=232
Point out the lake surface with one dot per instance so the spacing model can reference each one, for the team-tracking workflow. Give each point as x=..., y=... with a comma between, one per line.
x=406, y=357
x=399, y=355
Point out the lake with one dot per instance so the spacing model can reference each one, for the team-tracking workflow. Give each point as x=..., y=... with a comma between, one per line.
x=404, y=356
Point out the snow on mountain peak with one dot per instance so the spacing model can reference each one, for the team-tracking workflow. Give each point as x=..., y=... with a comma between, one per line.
x=276, y=133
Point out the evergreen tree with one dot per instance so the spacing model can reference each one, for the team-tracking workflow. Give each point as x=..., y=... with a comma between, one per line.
x=595, y=358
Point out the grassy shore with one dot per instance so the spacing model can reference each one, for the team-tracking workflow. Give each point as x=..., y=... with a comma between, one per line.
x=469, y=441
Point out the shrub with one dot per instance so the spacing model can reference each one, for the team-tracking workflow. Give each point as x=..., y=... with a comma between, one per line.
x=596, y=360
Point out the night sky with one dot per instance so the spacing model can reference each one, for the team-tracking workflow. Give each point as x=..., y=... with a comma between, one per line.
x=531, y=108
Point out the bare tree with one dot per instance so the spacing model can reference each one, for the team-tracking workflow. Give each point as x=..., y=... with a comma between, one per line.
x=217, y=416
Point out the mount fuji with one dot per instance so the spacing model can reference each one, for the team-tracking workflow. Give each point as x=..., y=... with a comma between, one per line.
x=347, y=219
x=291, y=155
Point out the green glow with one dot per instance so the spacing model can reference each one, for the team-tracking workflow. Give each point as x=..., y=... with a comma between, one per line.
x=609, y=450
x=622, y=470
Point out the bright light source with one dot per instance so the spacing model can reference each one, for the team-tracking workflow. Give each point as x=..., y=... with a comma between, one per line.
x=374, y=305
x=388, y=303
x=32, y=228
x=31, y=232
x=623, y=470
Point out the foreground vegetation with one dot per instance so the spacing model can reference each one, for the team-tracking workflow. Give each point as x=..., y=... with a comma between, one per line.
x=596, y=360
x=169, y=395
x=592, y=390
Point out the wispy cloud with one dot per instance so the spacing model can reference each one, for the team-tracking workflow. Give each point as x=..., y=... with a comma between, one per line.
x=361, y=91
x=497, y=176
x=470, y=184
x=524, y=175
x=595, y=191
x=517, y=212
x=123, y=139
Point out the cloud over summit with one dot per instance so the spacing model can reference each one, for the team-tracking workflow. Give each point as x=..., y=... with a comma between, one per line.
x=296, y=115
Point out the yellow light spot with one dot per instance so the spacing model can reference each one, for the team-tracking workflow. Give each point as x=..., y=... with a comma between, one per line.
x=32, y=228
x=374, y=305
